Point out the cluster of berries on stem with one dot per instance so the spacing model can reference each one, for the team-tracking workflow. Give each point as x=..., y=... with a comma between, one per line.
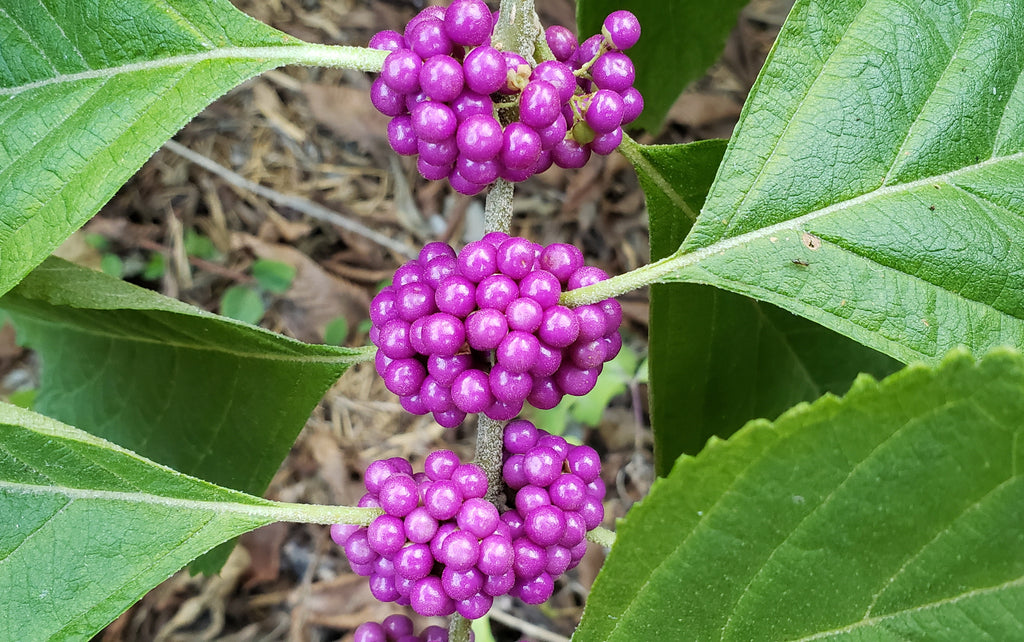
x=441, y=548
x=472, y=113
x=482, y=331
x=399, y=628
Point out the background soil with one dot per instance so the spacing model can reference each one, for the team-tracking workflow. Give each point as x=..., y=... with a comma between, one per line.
x=312, y=133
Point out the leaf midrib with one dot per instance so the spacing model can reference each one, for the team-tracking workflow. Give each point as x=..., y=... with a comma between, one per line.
x=361, y=353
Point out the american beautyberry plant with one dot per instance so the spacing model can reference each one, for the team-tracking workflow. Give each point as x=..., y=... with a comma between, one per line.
x=866, y=213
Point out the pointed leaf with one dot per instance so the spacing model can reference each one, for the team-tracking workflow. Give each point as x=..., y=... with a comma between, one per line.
x=873, y=182
x=205, y=395
x=90, y=527
x=89, y=92
x=719, y=360
x=679, y=41
x=891, y=514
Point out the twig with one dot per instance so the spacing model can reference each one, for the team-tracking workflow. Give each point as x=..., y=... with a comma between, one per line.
x=498, y=207
x=530, y=630
x=601, y=536
x=459, y=628
x=299, y=204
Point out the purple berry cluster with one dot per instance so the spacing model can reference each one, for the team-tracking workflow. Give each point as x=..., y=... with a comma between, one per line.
x=439, y=547
x=557, y=492
x=399, y=628
x=482, y=331
x=473, y=113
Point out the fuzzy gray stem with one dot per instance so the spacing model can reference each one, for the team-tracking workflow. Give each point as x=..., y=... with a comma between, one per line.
x=498, y=207
x=459, y=628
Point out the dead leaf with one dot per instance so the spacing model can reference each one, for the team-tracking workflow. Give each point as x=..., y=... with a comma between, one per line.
x=264, y=546
x=348, y=112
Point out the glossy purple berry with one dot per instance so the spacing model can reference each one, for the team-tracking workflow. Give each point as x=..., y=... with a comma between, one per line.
x=404, y=376
x=478, y=260
x=432, y=172
x=382, y=308
x=414, y=300
x=428, y=38
x=442, y=499
x=456, y=295
x=434, y=122
x=387, y=40
x=420, y=526
x=539, y=104
x=524, y=314
x=434, y=396
x=541, y=286
x=471, y=480
x=518, y=351
x=471, y=391
x=468, y=22
x=437, y=270
x=508, y=386
x=542, y=465
x=398, y=495
x=520, y=436
x=441, y=78
x=537, y=590
x=486, y=329
x=614, y=71
x=559, y=328
x=485, y=70
x=515, y=258
x=388, y=101
x=552, y=134
x=496, y=291
x=545, y=525
x=576, y=381
x=480, y=138
x=561, y=259
x=460, y=551
x=584, y=462
x=440, y=464
x=632, y=105
x=445, y=369
x=562, y=42
x=606, y=143
x=443, y=334
x=470, y=103
x=428, y=598
x=559, y=75
x=401, y=136
x=586, y=275
x=401, y=71
x=569, y=154
x=521, y=146
x=478, y=516
x=605, y=111
x=481, y=173
x=386, y=535
x=622, y=29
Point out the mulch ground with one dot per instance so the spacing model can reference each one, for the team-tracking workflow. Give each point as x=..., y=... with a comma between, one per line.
x=313, y=133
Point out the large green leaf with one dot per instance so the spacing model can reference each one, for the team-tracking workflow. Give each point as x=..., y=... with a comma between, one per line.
x=717, y=359
x=679, y=41
x=891, y=514
x=89, y=90
x=873, y=182
x=205, y=395
x=90, y=527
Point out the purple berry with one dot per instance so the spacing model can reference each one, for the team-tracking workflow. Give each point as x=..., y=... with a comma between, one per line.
x=486, y=329
x=439, y=269
x=563, y=42
x=521, y=146
x=530, y=558
x=519, y=436
x=512, y=472
x=440, y=464
x=471, y=480
x=456, y=295
x=569, y=154
x=584, y=462
x=369, y=632
x=478, y=260
x=357, y=548
x=559, y=75
x=461, y=585
x=593, y=323
x=397, y=625
x=441, y=78
x=432, y=172
x=401, y=136
x=435, y=396
x=442, y=499
x=524, y=314
x=401, y=71
x=478, y=516
x=470, y=103
x=537, y=590
x=411, y=272
x=622, y=29
x=440, y=154
x=542, y=465
x=443, y=334
x=607, y=143
x=504, y=411
x=429, y=599
x=460, y=551
x=515, y=258
x=605, y=111
x=496, y=291
x=592, y=512
x=586, y=275
x=471, y=391
x=404, y=376
x=576, y=381
x=587, y=51
x=428, y=38
x=386, y=535
x=518, y=351
x=468, y=22
x=474, y=607
x=387, y=40
x=633, y=104
x=445, y=369
x=495, y=555
x=388, y=101
x=539, y=104
x=559, y=328
x=481, y=173
x=434, y=122
x=420, y=527
x=544, y=525
x=541, y=286
x=510, y=387
x=500, y=584
x=414, y=300
x=480, y=138
x=382, y=308
x=486, y=70
x=614, y=71
x=568, y=492
x=545, y=393
x=552, y=134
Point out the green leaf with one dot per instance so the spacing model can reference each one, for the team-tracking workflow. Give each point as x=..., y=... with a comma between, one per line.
x=87, y=94
x=679, y=41
x=873, y=181
x=242, y=304
x=200, y=245
x=273, y=276
x=113, y=265
x=205, y=395
x=891, y=514
x=336, y=331
x=719, y=359
x=155, y=267
x=90, y=527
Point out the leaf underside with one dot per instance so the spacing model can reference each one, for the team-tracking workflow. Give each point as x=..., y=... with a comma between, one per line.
x=88, y=93
x=90, y=527
x=891, y=514
x=873, y=182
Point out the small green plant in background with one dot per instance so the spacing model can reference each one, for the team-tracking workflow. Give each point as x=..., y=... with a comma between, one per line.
x=249, y=304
